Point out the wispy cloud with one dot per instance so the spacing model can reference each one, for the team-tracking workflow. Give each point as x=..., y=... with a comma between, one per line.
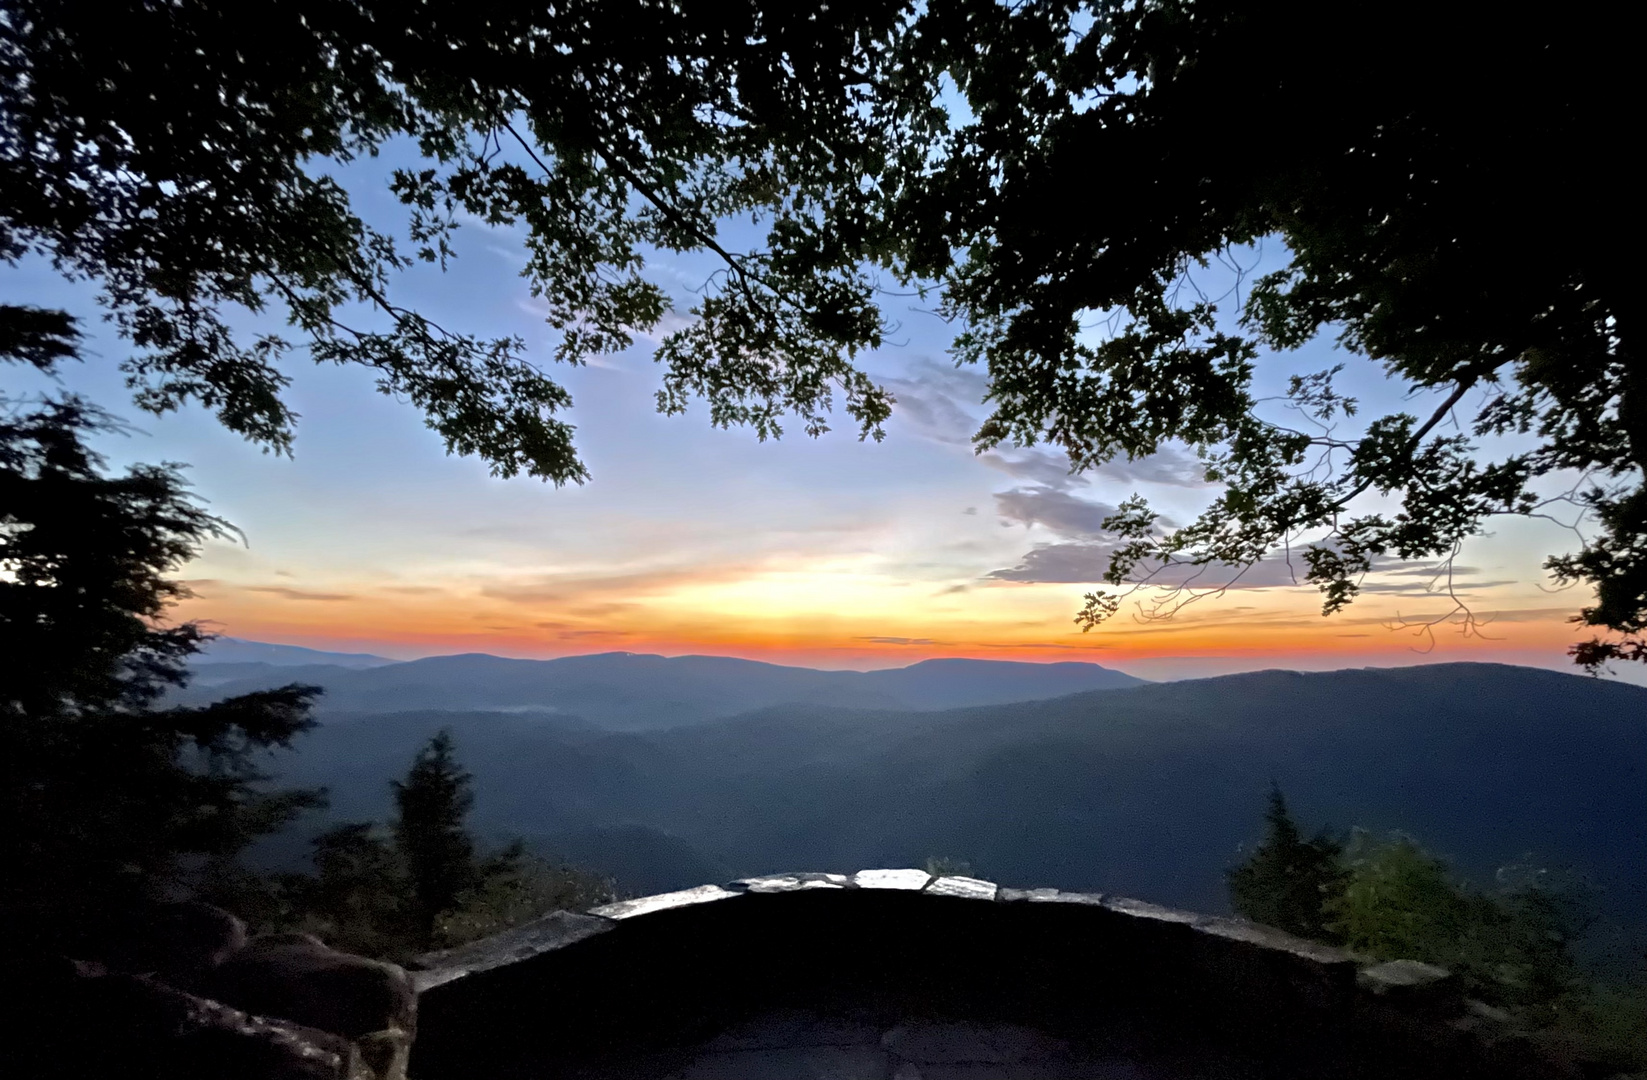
x=1086, y=563
x=298, y=594
x=578, y=590
x=1173, y=465
x=1428, y=588
x=1054, y=509
x=1039, y=467
x=936, y=401
x=671, y=322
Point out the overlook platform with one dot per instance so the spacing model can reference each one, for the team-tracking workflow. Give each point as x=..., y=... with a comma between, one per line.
x=897, y=975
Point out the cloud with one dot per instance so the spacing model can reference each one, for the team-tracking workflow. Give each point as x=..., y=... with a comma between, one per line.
x=1086, y=559
x=1039, y=467
x=898, y=640
x=600, y=611
x=1093, y=645
x=297, y=594
x=1423, y=588
x=574, y=588
x=671, y=322
x=1065, y=564
x=935, y=401
x=1086, y=563
x=1173, y=465
x=1429, y=570
x=1053, y=509
x=1484, y=618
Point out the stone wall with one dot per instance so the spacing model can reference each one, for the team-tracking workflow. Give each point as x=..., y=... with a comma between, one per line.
x=892, y=972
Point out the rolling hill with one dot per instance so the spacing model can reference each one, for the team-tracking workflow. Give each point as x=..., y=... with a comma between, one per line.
x=1149, y=790
x=632, y=691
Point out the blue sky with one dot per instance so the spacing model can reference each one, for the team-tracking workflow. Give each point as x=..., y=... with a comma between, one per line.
x=828, y=552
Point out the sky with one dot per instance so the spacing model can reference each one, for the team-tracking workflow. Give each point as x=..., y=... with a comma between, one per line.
x=826, y=552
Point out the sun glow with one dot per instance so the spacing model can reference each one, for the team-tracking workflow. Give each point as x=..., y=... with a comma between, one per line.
x=848, y=612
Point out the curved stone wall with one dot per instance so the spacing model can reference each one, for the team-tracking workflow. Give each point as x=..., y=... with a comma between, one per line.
x=897, y=975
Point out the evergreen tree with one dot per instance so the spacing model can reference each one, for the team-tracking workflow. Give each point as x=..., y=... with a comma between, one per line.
x=1288, y=879
x=109, y=799
x=358, y=898
x=431, y=836
x=423, y=883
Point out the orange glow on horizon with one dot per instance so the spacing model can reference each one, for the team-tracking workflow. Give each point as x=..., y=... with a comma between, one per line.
x=842, y=620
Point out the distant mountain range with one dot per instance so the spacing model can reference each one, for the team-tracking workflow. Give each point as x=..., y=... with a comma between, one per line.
x=227, y=650
x=633, y=691
x=1147, y=790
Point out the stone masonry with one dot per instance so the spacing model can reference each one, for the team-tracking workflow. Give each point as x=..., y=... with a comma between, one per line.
x=897, y=975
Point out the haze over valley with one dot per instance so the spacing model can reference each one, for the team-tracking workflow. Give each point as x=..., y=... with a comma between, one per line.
x=672, y=772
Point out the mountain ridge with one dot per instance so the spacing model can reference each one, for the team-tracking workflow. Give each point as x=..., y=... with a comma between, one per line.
x=643, y=691
x=1148, y=791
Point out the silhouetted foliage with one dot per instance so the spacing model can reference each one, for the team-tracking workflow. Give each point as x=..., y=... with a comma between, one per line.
x=430, y=835
x=1046, y=167
x=359, y=893
x=1286, y=879
x=108, y=799
x=515, y=887
x=178, y=154
x=1510, y=949
x=1388, y=899
x=421, y=883
x=947, y=866
x=1464, y=238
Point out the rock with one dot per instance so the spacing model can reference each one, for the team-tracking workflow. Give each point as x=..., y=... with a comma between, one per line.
x=1491, y=1014
x=1412, y=985
x=78, y=1021
x=1048, y=896
x=646, y=905
x=1401, y=977
x=968, y=888
x=178, y=943
x=555, y=930
x=892, y=879
x=774, y=883
x=299, y=978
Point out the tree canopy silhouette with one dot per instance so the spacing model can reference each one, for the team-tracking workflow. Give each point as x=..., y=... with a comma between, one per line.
x=1450, y=199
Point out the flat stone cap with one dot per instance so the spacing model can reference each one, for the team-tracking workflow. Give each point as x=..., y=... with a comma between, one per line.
x=1400, y=976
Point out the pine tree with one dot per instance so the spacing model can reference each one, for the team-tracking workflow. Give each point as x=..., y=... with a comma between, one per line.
x=434, y=844
x=1288, y=879
x=110, y=799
